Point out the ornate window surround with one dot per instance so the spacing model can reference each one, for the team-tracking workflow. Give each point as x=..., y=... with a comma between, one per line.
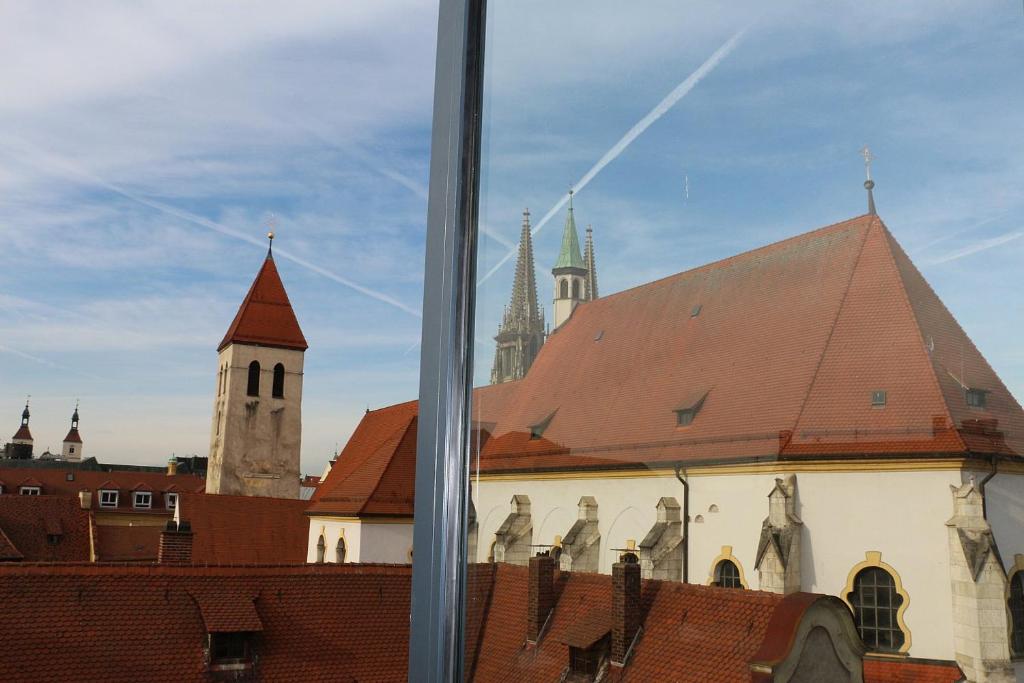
x=873, y=558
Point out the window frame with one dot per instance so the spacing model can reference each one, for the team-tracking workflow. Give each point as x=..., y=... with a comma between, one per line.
x=446, y=351
x=30, y=491
x=895, y=601
x=277, y=383
x=117, y=498
x=135, y=500
x=252, y=379
x=736, y=578
x=168, y=497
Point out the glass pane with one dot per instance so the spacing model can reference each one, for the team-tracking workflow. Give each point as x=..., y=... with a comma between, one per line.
x=745, y=319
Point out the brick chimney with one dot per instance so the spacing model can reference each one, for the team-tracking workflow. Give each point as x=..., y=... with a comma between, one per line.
x=175, y=543
x=625, y=606
x=541, y=595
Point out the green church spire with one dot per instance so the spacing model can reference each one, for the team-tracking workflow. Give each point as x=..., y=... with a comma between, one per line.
x=570, y=256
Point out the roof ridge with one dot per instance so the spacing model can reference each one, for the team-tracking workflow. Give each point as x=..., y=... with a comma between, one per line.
x=889, y=239
x=831, y=331
x=735, y=257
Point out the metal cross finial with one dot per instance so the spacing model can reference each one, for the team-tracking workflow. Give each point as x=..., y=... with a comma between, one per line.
x=868, y=158
x=271, y=223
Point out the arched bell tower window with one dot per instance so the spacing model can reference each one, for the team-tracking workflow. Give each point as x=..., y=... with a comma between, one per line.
x=876, y=604
x=339, y=551
x=1016, y=604
x=727, y=575
x=278, y=381
x=321, y=548
x=253, y=388
x=575, y=288
x=563, y=289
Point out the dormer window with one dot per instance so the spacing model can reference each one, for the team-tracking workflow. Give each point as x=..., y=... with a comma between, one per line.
x=589, y=640
x=537, y=430
x=30, y=490
x=171, y=501
x=142, y=500
x=231, y=650
x=878, y=398
x=687, y=412
x=976, y=398
x=587, y=661
x=108, y=498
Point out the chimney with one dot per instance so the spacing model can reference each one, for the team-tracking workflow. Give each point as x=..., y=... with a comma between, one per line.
x=172, y=466
x=175, y=543
x=85, y=499
x=541, y=595
x=625, y=606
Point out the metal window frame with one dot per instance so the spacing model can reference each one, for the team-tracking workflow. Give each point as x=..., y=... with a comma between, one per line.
x=446, y=357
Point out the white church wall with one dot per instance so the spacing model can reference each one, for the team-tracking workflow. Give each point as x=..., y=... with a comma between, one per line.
x=389, y=542
x=332, y=529
x=900, y=514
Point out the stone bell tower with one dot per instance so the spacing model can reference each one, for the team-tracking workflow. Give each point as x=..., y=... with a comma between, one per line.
x=575, y=274
x=257, y=413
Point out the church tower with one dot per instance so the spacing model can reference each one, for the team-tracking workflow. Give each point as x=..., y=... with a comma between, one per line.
x=257, y=412
x=575, y=278
x=73, y=441
x=21, y=445
x=521, y=332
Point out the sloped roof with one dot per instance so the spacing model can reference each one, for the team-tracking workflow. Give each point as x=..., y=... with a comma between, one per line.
x=27, y=521
x=790, y=342
x=73, y=436
x=266, y=316
x=54, y=480
x=23, y=434
x=132, y=622
x=238, y=530
x=910, y=671
x=569, y=255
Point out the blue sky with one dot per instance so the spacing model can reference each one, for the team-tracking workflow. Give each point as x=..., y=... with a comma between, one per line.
x=142, y=146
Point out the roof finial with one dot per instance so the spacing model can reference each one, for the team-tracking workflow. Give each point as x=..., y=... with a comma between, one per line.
x=271, y=224
x=869, y=184
x=571, y=192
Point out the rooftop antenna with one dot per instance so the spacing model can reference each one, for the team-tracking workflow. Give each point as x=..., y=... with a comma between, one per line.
x=869, y=184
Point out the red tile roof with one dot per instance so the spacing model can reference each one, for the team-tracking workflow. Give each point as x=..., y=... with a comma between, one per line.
x=228, y=611
x=790, y=343
x=910, y=671
x=55, y=481
x=73, y=437
x=131, y=622
x=245, y=529
x=266, y=316
x=43, y=529
x=127, y=543
x=23, y=434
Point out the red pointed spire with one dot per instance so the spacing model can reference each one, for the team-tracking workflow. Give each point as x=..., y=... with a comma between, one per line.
x=266, y=316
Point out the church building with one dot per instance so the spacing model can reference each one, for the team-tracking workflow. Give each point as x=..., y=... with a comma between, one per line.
x=804, y=417
x=257, y=412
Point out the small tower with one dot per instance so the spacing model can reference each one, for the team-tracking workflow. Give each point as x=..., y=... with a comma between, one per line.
x=521, y=333
x=590, y=261
x=21, y=445
x=257, y=412
x=73, y=441
x=570, y=271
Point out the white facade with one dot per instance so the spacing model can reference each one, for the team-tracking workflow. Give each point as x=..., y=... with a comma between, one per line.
x=366, y=540
x=846, y=514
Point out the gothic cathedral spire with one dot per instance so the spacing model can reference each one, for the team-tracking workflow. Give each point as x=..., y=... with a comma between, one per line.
x=521, y=332
x=589, y=260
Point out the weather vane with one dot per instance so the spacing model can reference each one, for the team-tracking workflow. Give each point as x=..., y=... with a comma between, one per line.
x=869, y=184
x=271, y=223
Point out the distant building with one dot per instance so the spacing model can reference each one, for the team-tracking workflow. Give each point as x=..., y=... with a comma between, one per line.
x=256, y=433
x=20, y=445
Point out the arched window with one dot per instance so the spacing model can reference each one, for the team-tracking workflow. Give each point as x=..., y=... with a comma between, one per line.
x=278, y=390
x=321, y=549
x=563, y=289
x=253, y=389
x=1016, y=605
x=575, y=289
x=339, y=551
x=727, y=575
x=875, y=603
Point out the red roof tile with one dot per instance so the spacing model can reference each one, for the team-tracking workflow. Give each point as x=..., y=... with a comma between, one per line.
x=127, y=543
x=790, y=343
x=266, y=316
x=44, y=529
x=55, y=481
x=245, y=529
x=7, y=549
x=228, y=611
x=73, y=437
x=23, y=434
x=910, y=671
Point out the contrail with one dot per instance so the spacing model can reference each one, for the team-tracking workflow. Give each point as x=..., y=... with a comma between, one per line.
x=190, y=217
x=43, y=361
x=976, y=247
x=632, y=134
x=939, y=240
